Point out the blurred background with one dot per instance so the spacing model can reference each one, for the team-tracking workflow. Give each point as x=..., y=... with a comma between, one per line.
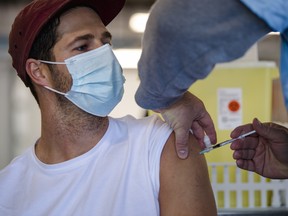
x=252, y=81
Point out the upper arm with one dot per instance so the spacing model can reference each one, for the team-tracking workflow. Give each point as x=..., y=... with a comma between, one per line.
x=185, y=187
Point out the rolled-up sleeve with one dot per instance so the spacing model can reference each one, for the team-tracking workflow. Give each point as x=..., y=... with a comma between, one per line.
x=183, y=41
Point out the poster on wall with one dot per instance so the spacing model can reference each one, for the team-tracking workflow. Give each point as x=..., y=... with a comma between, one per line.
x=229, y=102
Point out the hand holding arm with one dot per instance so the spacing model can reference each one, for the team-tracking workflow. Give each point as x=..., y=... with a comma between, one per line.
x=266, y=152
x=188, y=113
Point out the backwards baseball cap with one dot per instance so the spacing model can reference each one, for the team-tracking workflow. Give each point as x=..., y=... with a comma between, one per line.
x=35, y=15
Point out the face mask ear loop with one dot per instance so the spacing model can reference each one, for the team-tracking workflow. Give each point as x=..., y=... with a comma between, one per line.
x=47, y=87
x=53, y=90
x=50, y=62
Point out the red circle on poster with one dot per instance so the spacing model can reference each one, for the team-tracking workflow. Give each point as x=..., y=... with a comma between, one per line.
x=234, y=106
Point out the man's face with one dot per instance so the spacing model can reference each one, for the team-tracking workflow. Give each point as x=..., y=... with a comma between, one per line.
x=80, y=30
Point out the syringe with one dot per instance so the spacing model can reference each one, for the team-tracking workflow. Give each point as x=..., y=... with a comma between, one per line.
x=208, y=149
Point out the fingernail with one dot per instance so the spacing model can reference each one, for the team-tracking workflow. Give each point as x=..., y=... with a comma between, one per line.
x=182, y=153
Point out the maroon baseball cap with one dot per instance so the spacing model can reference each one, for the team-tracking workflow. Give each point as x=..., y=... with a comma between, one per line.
x=35, y=15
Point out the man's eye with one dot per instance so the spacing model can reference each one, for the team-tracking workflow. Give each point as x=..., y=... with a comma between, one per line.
x=82, y=48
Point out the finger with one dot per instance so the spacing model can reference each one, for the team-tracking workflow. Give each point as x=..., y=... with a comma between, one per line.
x=198, y=132
x=181, y=142
x=207, y=125
x=246, y=143
x=264, y=130
x=246, y=165
x=241, y=130
x=244, y=154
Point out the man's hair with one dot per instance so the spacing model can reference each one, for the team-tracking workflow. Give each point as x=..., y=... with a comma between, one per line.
x=42, y=47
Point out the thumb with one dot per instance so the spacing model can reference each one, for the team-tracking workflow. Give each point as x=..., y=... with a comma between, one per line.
x=261, y=129
x=181, y=139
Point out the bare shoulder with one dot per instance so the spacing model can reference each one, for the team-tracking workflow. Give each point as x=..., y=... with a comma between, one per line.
x=185, y=187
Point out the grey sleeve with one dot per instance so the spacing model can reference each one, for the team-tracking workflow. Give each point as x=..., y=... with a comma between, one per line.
x=183, y=41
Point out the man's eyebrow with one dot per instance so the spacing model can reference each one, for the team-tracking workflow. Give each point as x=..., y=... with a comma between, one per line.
x=82, y=37
x=105, y=35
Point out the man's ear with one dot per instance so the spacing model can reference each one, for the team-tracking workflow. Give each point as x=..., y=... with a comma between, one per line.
x=37, y=72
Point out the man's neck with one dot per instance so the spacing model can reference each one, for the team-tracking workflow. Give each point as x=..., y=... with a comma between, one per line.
x=68, y=137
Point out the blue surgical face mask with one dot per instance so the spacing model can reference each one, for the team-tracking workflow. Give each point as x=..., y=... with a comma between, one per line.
x=97, y=80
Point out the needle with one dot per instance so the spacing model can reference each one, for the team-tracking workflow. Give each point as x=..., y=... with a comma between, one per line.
x=210, y=148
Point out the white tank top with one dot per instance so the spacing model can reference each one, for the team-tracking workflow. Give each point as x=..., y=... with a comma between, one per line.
x=119, y=176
